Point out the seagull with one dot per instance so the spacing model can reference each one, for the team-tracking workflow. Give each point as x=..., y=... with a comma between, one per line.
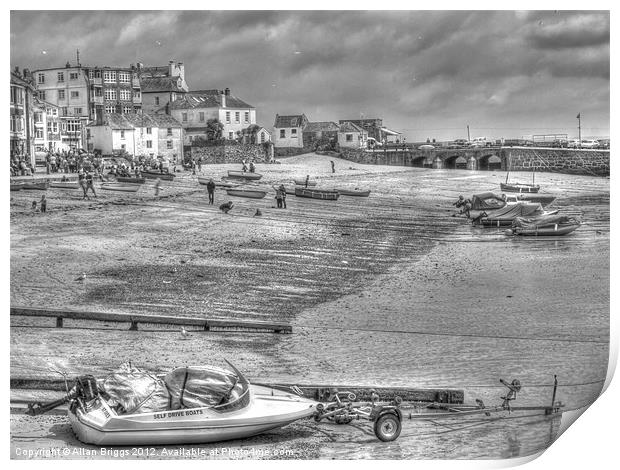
x=81, y=277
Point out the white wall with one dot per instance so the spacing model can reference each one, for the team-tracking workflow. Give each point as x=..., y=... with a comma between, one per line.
x=289, y=140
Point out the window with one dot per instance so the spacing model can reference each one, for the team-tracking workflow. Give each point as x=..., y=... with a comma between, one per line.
x=38, y=133
x=91, y=74
x=41, y=78
x=122, y=134
x=237, y=116
x=169, y=131
x=294, y=132
x=75, y=94
x=109, y=94
x=73, y=125
x=109, y=76
x=50, y=128
x=282, y=133
x=149, y=130
x=149, y=144
x=123, y=146
x=228, y=116
x=124, y=77
x=184, y=117
x=191, y=137
x=247, y=117
x=77, y=111
x=262, y=137
x=42, y=95
x=53, y=112
x=88, y=133
x=136, y=93
x=17, y=95
x=201, y=117
x=231, y=135
x=61, y=76
x=168, y=144
x=65, y=110
x=61, y=94
x=38, y=117
x=349, y=137
x=110, y=109
x=157, y=100
x=73, y=76
x=127, y=109
x=125, y=95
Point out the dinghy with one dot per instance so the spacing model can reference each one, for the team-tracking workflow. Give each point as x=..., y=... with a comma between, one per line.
x=250, y=193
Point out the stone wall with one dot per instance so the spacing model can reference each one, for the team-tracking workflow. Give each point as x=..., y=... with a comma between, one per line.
x=572, y=161
x=231, y=153
x=290, y=151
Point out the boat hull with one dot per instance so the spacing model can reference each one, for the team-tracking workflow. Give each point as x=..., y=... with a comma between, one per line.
x=127, y=188
x=252, y=194
x=128, y=179
x=65, y=185
x=503, y=222
x=161, y=176
x=303, y=183
x=268, y=409
x=244, y=175
x=35, y=186
x=317, y=194
x=519, y=188
x=17, y=187
x=546, y=231
x=349, y=192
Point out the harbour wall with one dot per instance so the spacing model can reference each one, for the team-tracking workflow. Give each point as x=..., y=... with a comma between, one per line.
x=556, y=160
x=231, y=153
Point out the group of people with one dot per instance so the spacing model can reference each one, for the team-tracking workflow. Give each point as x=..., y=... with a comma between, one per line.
x=464, y=204
x=20, y=166
x=281, y=197
x=251, y=168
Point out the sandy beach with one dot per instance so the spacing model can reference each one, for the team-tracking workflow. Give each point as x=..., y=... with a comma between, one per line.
x=385, y=290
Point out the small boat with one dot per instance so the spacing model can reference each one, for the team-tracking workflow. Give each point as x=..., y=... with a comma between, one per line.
x=507, y=214
x=519, y=187
x=218, y=184
x=189, y=405
x=353, y=192
x=64, y=184
x=540, y=198
x=250, y=193
x=124, y=187
x=551, y=225
x=303, y=182
x=16, y=186
x=42, y=186
x=156, y=174
x=244, y=174
x=317, y=193
x=130, y=179
x=490, y=201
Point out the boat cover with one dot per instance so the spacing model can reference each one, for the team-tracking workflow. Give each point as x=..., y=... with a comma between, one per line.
x=486, y=201
x=132, y=390
x=194, y=387
x=533, y=223
x=520, y=209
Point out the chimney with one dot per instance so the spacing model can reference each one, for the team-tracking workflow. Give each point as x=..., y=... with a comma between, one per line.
x=140, y=65
x=16, y=71
x=223, y=99
x=227, y=91
x=67, y=65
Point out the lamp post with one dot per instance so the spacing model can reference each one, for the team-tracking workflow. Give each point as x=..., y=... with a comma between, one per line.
x=579, y=121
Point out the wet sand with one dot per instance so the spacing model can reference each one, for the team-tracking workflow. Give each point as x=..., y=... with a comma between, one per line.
x=386, y=290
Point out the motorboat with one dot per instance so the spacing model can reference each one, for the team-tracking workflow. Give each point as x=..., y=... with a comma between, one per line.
x=551, y=225
x=508, y=213
x=188, y=405
x=353, y=192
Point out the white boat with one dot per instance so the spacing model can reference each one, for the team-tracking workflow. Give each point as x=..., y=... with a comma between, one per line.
x=125, y=187
x=227, y=412
x=250, y=193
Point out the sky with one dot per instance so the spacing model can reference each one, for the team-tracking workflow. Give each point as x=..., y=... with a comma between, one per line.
x=425, y=73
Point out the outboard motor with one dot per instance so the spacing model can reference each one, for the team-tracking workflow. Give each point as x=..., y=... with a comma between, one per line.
x=84, y=391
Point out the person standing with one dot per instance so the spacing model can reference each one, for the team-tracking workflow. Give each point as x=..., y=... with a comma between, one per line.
x=157, y=185
x=279, y=198
x=89, y=183
x=252, y=167
x=283, y=192
x=333, y=166
x=199, y=164
x=307, y=180
x=82, y=183
x=211, y=190
x=43, y=204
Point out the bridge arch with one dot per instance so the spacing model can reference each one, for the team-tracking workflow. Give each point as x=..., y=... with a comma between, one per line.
x=455, y=162
x=419, y=162
x=490, y=162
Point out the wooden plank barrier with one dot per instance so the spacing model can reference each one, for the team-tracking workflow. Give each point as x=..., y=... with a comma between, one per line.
x=134, y=319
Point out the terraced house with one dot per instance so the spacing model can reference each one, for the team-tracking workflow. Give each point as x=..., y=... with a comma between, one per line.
x=196, y=108
x=21, y=116
x=161, y=85
x=288, y=130
x=113, y=90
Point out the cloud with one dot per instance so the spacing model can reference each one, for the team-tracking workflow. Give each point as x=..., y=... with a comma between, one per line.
x=583, y=30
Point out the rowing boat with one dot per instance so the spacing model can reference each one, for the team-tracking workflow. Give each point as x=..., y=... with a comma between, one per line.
x=41, y=186
x=548, y=225
x=64, y=184
x=130, y=179
x=317, y=193
x=16, y=186
x=249, y=193
x=303, y=182
x=510, y=212
x=353, y=192
x=127, y=188
x=244, y=174
x=155, y=174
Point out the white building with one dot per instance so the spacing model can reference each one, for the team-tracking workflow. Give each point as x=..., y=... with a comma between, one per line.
x=288, y=130
x=351, y=135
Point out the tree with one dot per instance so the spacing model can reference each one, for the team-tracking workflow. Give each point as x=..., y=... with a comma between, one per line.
x=252, y=132
x=214, y=129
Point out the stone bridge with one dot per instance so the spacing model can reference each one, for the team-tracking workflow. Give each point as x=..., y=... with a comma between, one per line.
x=577, y=161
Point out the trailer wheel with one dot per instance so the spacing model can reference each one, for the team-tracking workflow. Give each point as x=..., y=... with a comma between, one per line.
x=387, y=427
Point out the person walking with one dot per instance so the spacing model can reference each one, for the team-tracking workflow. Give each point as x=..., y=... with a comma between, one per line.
x=211, y=190
x=89, y=183
x=333, y=166
x=283, y=192
x=157, y=186
x=199, y=164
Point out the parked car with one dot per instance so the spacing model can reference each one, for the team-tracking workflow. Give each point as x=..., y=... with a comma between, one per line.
x=573, y=144
x=590, y=144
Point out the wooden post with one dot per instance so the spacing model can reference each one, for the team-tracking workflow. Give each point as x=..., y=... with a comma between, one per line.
x=58, y=322
x=134, y=325
x=207, y=327
x=555, y=388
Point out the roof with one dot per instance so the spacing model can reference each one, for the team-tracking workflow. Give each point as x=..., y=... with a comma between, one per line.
x=389, y=131
x=17, y=80
x=194, y=100
x=132, y=121
x=161, y=71
x=350, y=127
x=159, y=84
x=295, y=120
x=321, y=126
